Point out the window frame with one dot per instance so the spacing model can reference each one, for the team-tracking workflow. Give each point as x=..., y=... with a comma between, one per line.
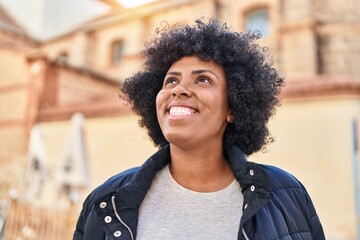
x=253, y=11
x=115, y=56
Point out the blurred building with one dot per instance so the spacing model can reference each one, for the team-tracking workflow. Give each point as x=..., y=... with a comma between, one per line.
x=315, y=45
x=16, y=115
x=44, y=19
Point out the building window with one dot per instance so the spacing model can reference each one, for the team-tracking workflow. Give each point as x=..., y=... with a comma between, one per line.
x=62, y=58
x=117, y=51
x=258, y=19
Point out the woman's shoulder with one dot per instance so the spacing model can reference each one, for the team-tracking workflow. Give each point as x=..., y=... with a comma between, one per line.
x=119, y=179
x=280, y=179
x=112, y=184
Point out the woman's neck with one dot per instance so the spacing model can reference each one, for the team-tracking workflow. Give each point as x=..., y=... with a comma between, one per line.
x=201, y=170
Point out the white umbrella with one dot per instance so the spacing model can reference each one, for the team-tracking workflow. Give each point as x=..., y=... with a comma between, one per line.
x=73, y=170
x=36, y=171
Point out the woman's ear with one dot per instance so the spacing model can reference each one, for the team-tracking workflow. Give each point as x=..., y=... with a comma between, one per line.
x=229, y=117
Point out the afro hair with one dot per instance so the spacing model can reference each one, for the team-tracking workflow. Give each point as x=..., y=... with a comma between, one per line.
x=253, y=85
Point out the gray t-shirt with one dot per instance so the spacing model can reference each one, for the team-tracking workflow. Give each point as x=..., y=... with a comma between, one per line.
x=170, y=211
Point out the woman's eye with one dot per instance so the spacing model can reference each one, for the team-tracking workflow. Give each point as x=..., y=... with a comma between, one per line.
x=170, y=81
x=203, y=80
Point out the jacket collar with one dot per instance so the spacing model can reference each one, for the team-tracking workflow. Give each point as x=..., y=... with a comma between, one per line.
x=130, y=196
x=252, y=178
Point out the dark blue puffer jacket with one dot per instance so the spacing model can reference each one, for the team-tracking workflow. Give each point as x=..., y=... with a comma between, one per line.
x=276, y=205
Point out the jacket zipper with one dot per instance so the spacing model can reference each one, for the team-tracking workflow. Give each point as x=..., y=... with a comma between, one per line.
x=244, y=234
x=119, y=218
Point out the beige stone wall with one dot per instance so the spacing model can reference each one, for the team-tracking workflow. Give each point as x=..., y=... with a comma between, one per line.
x=65, y=44
x=333, y=10
x=14, y=96
x=76, y=89
x=314, y=142
x=297, y=39
x=339, y=47
x=13, y=67
x=294, y=11
x=113, y=145
x=183, y=14
x=298, y=56
x=131, y=32
x=12, y=158
x=74, y=45
x=338, y=37
x=13, y=105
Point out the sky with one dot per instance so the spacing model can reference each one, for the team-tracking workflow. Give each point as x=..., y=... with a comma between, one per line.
x=45, y=19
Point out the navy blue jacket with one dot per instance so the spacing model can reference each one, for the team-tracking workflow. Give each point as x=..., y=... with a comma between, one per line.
x=276, y=205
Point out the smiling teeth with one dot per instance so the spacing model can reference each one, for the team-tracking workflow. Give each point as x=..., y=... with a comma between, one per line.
x=176, y=111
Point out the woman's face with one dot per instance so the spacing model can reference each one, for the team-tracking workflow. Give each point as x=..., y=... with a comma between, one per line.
x=192, y=106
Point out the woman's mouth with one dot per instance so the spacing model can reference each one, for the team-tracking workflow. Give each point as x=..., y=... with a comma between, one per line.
x=180, y=111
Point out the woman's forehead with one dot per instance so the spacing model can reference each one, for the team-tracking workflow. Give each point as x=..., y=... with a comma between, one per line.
x=195, y=63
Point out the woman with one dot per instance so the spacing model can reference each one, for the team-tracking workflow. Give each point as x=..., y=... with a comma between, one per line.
x=205, y=97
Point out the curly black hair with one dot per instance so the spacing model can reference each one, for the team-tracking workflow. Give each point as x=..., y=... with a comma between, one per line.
x=253, y=86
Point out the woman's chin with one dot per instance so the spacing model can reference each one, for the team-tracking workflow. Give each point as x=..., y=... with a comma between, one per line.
x=178, y=139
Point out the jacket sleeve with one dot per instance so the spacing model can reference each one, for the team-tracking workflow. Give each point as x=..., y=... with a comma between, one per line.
x=79, y=230
x=317, y=231
x=80, y=225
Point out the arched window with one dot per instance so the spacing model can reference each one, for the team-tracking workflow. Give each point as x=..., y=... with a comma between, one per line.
x=258, y=19
x=117, y=51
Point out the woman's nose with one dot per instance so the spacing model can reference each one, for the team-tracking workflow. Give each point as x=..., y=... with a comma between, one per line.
x=181, y=90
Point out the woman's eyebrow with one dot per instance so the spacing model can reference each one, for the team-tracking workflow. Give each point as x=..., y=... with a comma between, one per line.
x=200, y=71
x=174, y=73
x=204, y=71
